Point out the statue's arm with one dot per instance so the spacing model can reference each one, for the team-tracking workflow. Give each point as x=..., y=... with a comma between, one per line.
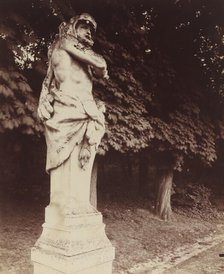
x=88, y=56
x=45, y=109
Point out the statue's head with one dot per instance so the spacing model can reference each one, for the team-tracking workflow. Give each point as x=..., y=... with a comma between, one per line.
x=84, y=28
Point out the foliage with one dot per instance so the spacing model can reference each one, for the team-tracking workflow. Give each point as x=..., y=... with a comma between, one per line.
x=165, y=65
x=168, y=110
x=17, y=103
x=183, y=115
x=197, y=196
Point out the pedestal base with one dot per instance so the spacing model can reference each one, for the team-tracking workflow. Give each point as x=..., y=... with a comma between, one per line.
x=102, y=269
x=94, y=262
x=80, y=245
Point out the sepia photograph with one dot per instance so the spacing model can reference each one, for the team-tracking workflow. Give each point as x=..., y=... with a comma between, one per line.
x=111, y=136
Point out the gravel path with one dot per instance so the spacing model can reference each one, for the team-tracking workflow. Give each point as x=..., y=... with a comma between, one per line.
x=208, y=262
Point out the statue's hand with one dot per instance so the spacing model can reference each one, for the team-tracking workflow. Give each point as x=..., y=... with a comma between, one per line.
x=45, y=108
x=103, y=73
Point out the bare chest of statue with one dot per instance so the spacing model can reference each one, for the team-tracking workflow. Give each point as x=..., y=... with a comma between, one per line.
x=72, y=77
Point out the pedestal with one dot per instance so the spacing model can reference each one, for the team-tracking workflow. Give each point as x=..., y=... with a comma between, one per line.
x=73, y=239
x=78, y=246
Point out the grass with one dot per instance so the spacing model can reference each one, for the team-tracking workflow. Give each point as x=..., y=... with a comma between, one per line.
x=136, y=233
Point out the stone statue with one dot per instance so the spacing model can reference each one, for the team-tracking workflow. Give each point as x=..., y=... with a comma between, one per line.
x=73, y=239
x=74, y=123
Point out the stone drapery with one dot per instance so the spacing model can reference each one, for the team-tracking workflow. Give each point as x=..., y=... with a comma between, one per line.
x=74, y=121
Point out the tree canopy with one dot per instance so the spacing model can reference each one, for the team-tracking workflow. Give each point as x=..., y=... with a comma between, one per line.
x=165, y=61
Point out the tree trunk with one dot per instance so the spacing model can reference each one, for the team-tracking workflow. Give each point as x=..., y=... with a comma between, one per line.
x=163, y=202
x=93, y=185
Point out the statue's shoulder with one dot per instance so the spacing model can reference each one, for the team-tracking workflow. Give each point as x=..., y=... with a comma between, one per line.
x=59, y=44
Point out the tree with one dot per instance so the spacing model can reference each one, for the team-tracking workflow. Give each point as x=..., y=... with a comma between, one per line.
x=185, y=127
x=165, y=65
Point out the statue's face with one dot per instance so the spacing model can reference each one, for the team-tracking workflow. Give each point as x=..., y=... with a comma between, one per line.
x=84, y=33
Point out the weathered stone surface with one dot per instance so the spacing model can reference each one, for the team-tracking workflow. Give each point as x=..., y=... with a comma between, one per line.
x=73, y=239
x=48, y=262
x=78, y=247
x=82, y=235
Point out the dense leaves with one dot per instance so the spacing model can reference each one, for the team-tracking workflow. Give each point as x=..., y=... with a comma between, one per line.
x=18, y=105
x=165, y=61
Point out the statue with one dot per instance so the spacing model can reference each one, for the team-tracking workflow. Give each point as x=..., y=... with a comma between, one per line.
x=73, y=239
x=74, y=123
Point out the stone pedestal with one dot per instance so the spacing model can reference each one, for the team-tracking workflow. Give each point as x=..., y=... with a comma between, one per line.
x=73, y=239
x=78, y=246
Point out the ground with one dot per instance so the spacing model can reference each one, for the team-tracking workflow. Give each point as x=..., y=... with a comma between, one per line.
x=137, y=234
x=208, y=262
